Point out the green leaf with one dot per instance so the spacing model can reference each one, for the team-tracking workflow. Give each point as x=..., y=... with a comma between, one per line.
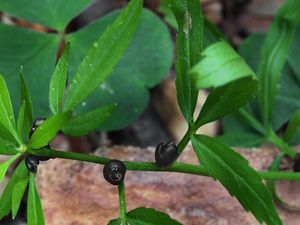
x=17, y=195
x=4, y=166
x=26, y=99
x=234, y=172
x=103, y=55
x=36, y=51
x=21, y=120
x=189, y=44
x=219, y=65
x=148, y=216
x=227, y=99
x=129, y=82
x=35, y=214
x=293, y=126
x=241, y=139
x=58, y=82
x=21, y=172
x=47, y=130
x=287, y=100
x=85, y=123
x=7, y=118
x=115, y=222
x=55, y=14
x=7, y=147
x=274, y=55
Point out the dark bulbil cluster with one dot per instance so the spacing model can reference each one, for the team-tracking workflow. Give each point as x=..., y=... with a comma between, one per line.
x=166, y=153
x=296, y=166
x=32, y=163
x=114, y=171
x=36, y=124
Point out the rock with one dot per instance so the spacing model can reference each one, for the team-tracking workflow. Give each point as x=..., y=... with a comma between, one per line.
x=75, y=193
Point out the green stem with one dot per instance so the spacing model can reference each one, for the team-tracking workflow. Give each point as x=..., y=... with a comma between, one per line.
x=184, y=141
x=251, y=121
x=122, y=203
x=150, y=166
x=283, y=146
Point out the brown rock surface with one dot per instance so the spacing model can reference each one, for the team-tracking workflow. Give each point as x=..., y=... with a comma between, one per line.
x=75, y=193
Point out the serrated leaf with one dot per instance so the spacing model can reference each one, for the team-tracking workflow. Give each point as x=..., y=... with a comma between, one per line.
x=227, y=99
x=189, y=44
x=293, y=126
x=274, y=55
x=219, y=65
x=148, y=216
x=17, y=195
x=103, y=55
x=131, y=79
x=241, y=181
x=48, y=130
x=211, y=33
x=5, y=201
x=35, y=214
x=58, y=82
x=26, y=99
x=7, y=118
x=55, y=13
x=87, y=122
x=5, y=165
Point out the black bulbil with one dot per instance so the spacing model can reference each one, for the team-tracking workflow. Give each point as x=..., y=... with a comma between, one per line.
x=114, y=171
x=166, y=153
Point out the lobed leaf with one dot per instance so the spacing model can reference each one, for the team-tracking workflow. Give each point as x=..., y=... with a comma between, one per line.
x=48, y=130
x=20, y=172
x=55, y=14
x=58, y=82
x=36, y=51
x=274, y=55
x=227, y=99
x=103, y=56
x=87, y=122
x=148, y=216
x=219, y=65
x=35, y=214
x=234, y=172
x=189, y=44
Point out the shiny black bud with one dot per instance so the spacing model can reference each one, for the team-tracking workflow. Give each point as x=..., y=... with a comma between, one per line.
x=296, y=166
x=36, y=124
x=166, y=153
x=32, y=162
x=114, y=171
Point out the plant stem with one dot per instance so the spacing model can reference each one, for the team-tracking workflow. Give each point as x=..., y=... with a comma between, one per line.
x=122, y=203
x=150, y=166
x=251, y=121
x=184, y=141
x=283, y=146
